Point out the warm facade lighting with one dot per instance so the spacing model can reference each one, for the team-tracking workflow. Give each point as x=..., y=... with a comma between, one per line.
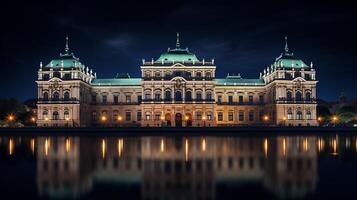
x=33, y=119
x=334, y=118
x=266, y=118
x=120, y=118
x=204, y=118
x=319, y=119
x=67, y=119
x=46, y=118
x=306, y=145
x=284, y=118
x=187, y=118
x=103, y=118
x=162, y=118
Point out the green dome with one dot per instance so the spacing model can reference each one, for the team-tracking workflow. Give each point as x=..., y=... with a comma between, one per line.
x=65, y=61
x=177, y=55
x=289, y=61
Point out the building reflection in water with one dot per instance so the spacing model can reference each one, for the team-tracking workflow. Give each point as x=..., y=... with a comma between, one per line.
x=174, y=167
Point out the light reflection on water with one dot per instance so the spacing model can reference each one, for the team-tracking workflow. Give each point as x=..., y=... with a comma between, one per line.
x=176, y=167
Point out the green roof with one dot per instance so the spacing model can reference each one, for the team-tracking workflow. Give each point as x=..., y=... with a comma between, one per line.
x=239, y=81
x=117, y=81
x=66, y=62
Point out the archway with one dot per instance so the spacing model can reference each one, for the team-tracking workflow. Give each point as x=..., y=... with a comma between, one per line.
x=178, y=120
x=168, y=119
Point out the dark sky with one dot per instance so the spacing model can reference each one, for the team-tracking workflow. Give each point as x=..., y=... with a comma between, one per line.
x=113, y=37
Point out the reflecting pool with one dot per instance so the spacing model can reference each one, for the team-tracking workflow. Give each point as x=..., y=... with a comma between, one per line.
x=277, y=167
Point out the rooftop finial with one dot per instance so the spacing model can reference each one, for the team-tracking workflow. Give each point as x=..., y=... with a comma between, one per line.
x=177, y=40
x=67, y=48
x=286, y=44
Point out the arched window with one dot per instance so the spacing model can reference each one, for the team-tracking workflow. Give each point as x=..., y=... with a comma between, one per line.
x=45, y=96
x=157, y=74
x=290, y=114
x=45, y=114
x=208, y=75
x=178, y=96
x=198, y=96
x=66, y=114
x=289, y=95
x=308, y=115
x=308, y=96
x=198, y=74
x=188, y=96
x=299, y=115
x=167, y=95
x=157, y=96
x=209, y=96
x=298, y=96
x=55, y=96
x=66, y=96
x=55, y=115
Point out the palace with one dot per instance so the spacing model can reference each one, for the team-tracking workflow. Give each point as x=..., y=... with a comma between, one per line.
x=177, y=89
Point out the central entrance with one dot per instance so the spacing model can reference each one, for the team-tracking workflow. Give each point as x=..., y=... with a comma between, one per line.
x=178, y=120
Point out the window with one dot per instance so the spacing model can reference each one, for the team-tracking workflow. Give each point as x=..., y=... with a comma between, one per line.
x=140, y=98
x=209, y=116
x=46, y=77
x=127, y=116
x=251, y=115
x=240, y=99
x=157, y=97
x=55, y=115
x=261, y=99
x=208, y=75
x=138, y=116
x=157, y=116
x=167, y=95
x=250, y=99
x=308, y=96
x=241, y=115
x=219, y=99
x=157, y=74
x=45, y=96
x=230, y=99
x=209, y=96
x=220, y=116
x=198, y=74
x=66, y=96
x=128, y=99
x=45, y=114
x=116, y=99
x=147, y=96
x=104, y=98
x=308, y=115
x=290, y=114
x=94, y=116
x=178, y=96
x=199, y=116
x=298, y=96
x=289, y=95
x=230, y=116
x=188, y=96
x=94, y=98
x=299, y=115
x=66, y=114
x=57, y=74
x=55, y=96
x=67, y=76
x=198, y=96
x=147, y=116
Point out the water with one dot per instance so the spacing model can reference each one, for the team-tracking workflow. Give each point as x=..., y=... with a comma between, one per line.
x=281, y=167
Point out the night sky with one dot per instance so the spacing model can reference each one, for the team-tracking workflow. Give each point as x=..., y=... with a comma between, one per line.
x=113, y=37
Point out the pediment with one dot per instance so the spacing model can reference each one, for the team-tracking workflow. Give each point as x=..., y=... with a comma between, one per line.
x=299, y=79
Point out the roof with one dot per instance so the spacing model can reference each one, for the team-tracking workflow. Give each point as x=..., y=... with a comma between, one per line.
x=239, y=81
x=117, y=81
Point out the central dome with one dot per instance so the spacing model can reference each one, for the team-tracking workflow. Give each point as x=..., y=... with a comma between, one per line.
x=178, y=54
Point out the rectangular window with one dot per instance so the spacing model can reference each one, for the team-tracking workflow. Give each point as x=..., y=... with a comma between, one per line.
x=157, y=116
x=104, y=98
x=139, y=98
x=127, y=116
x=230, y=116
x=138, y=116
x=230, y=99
x=116, y=99
x=199, y=116
x=250, y=98
x=147, y=116
x=220, y=116
x=241, y=115
x=219, y=99
x=209, y=96
x=240, y=99
x=147, y=96
x=209, y=116
x=198, y=97
x=251, y=115
x=261, y=99
x=94, y=98
x=128, y=99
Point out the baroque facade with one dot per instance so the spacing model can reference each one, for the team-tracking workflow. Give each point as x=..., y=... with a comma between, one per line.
x=177, y=89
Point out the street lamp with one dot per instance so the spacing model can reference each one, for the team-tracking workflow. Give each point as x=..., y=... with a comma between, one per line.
x=162, y=118
x=33, y=119
x=266, y=119
x=11, y=118
x=204, y=120
x=120, y=118
x=186, y=119
x=335, y=119
x=284, y=120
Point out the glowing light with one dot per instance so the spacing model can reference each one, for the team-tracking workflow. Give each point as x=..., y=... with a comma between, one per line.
x=103, y=148
x=334, y=118
x=320, y=144
x=187, y=118
x=46, y=118
x=319, y=119
x=11, y=146
x=266, y=148
x=33, y=119
x=68, y=145
x=203, y=144
x=334, y=147
x=162, y=145
x=47, y=146
x=162, y=117
x=284, y=146
x=120, y=118
x=306, y=145
x=120, y=146
x=103, y=118
x=32, y=145
x=11, y=117
x=186, y=150
x=348, y=143
x=204, y=118
x=266, y=118
x=284, y=118
x=67, y=118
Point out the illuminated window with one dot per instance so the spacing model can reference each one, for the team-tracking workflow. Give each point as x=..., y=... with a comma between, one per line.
x=55, y=115
x=45, y=114
x=299, y=115
x=290, y=114
x=230, y=116
x=220, y=116
x=209, y=116
x=147, y=116
x=308, y=115
x=66, y=114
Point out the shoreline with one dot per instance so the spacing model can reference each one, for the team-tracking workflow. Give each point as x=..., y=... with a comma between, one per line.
x=175, y=131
